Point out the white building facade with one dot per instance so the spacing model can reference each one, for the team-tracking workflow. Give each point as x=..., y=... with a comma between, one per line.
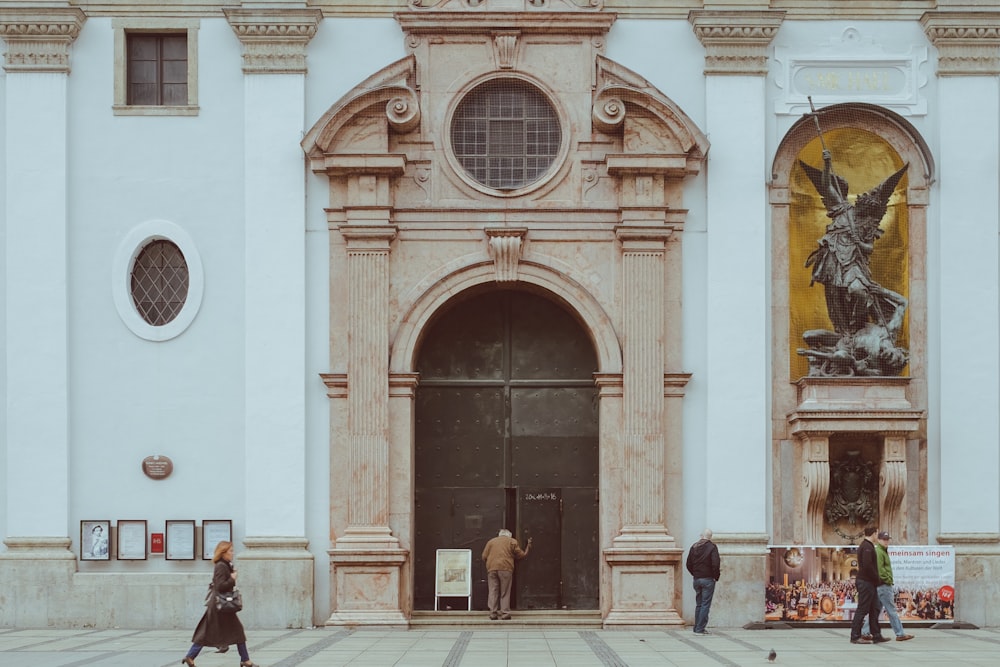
x=366, y=280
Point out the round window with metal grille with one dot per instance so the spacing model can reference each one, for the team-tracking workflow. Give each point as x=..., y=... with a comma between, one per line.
x=506, y=134
x=159, y=282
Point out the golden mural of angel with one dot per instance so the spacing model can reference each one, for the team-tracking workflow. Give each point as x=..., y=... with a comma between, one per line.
x=866, y=316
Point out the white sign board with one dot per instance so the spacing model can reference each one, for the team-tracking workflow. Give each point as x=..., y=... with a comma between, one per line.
x=453, y=574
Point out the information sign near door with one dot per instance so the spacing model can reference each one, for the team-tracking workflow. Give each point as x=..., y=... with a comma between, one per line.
x=453, y=575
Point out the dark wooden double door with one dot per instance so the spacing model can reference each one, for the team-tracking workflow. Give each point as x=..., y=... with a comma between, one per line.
x=507, y=437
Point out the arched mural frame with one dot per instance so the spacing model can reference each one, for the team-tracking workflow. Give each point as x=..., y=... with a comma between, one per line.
x=805, y=442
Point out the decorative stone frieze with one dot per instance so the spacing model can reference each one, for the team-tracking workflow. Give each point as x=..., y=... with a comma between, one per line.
x=38, y=38
x=736, y=42
x=507, y=5
x=968, y=43
x=274, y=40
x=487, y=16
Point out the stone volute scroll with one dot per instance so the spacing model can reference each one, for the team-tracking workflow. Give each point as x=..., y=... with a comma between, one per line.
x=505, y=247
x=403, y=110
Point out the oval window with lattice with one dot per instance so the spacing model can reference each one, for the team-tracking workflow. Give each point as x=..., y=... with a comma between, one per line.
x=159, y=282
x=505, y=133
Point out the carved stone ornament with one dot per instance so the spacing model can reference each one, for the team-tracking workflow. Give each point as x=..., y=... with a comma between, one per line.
x=505, y=248
x=853, y=494
x=38, y=39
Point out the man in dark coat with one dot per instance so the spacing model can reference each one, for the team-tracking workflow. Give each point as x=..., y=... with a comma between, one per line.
x=867, y=582
x=703, y=564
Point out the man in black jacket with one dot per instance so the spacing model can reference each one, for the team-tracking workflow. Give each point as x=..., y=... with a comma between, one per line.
x=703, y=564
x=867, y=582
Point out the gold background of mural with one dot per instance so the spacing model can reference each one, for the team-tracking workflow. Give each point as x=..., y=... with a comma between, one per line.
x=864, y=159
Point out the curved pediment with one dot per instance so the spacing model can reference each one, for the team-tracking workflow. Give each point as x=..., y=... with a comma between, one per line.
x=621, y=93
x=388, y=91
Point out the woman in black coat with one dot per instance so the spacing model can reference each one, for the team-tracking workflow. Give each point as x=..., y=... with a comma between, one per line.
x=220, y=628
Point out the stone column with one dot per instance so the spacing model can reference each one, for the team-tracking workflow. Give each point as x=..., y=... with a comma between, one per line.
x=968, y=45
x=276, y=563
x=36, y=569
x=737, y=442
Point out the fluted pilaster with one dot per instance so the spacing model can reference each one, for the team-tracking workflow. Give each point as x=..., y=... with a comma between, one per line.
x=643, y=274
x=368, y=372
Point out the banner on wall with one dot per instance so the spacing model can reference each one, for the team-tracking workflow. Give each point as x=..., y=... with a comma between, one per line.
x=815, y=584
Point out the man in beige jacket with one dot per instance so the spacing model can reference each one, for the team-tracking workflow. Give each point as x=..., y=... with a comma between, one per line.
x=500, y=554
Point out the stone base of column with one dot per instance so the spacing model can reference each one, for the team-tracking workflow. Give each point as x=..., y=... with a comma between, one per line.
x=645, y=583
x=739, y=595
x=276, y=579
x=977, y=583
x=366, y=574
x=35, y=575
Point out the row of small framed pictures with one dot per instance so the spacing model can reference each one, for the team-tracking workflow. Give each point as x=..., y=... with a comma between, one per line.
x=176, y=543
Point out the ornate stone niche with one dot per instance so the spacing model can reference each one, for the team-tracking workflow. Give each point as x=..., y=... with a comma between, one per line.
x=850, y=463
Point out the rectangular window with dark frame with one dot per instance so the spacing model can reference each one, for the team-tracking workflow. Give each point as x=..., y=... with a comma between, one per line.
x=157, y=69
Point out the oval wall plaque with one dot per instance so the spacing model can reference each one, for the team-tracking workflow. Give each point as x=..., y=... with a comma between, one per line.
x=157, y=467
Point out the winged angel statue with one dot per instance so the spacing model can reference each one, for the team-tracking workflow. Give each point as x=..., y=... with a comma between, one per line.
x=866, y=316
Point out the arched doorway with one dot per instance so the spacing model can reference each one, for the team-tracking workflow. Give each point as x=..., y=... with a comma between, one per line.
x=507, y=436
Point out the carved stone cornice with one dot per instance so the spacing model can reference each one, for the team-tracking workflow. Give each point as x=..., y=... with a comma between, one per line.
x=736, y=42
x=38, y=38
x=968, y=43
x=429, y=17
x=274, y=39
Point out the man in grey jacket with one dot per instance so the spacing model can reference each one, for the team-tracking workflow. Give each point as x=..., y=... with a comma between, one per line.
x=703, y=564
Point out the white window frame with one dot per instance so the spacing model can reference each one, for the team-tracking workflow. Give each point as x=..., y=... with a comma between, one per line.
x=124, y=26
x=121, y=279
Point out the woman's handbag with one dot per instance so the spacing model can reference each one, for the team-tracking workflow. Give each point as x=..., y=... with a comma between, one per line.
x=229, y=602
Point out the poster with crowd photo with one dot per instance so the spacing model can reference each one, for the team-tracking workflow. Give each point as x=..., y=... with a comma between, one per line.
x=815, y=584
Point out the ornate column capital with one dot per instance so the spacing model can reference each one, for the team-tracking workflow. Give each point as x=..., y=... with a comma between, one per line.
x=274, y=39
x=38, y=38
x=736, y=41
x=968, y=43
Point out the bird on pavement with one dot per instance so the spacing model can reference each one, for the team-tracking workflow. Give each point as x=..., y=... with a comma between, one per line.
x=771, y=656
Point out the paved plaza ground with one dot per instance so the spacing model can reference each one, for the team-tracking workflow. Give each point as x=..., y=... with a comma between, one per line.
x=514, y=647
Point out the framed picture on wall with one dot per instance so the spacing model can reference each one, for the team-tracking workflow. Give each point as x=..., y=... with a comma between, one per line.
x=95, y=540
x=214, y=531
x=131, y=539
x=180, y=540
